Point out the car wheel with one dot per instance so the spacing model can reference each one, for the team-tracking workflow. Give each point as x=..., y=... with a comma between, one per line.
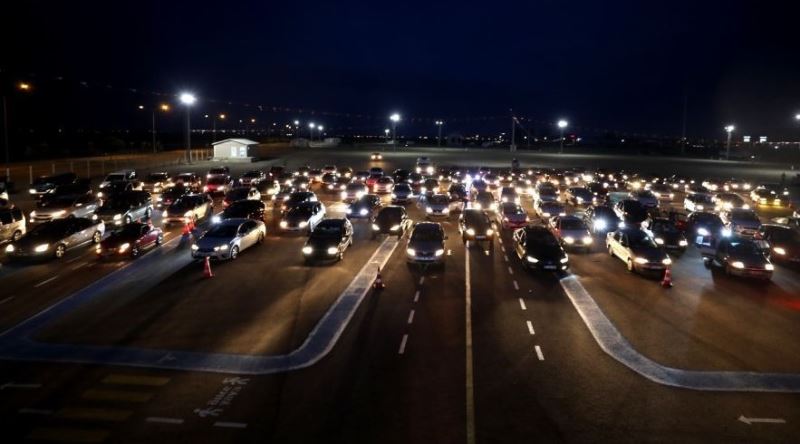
x=61, y=250
x=17, y=234
x=127, y=220
x=234, y=252
x=97, y=237
x=630, y=265
x=159, y=240
x=135, y=252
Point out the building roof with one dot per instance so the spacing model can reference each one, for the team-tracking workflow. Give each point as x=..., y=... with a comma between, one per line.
x=240, y=141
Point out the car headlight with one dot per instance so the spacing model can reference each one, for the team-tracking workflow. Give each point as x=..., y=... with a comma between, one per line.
x=117, y=216
x=779, y=250
x=769, y=267
x=9, y=248
x=471, y=231
x=446, y=211
x=428, y=210
x=489, y=232
x=41, y=248
x=33, y=214
x=702, y=231
x=532, y=259
x=439, y=252
x=411, y=252
x=376, y=227
x=394, y=196
x=332, y=251
x=640, y=260
x=745, y=207
x=683, y=243
x=737, y=264
x=599, y=224
x=284, y=224
x=98, y=249
x=666, y=261
x=94, y=217
x=476, y=205
x=124, y=247
x=423, y=189
x=363, y=212
x=700, y=208
x=659, y=241
x=302, y=224
x=187, y=214
x=569, y=239
x=32, y=190
x=195, y=247
x=216, y=219
x=59, y=213
x=727, y=232
x=307, y=249
x=587, y=240
x=546, y=214
x=395, y=227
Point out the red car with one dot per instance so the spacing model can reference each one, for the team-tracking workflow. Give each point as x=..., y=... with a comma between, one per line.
x=512, y=216
x=133, y=239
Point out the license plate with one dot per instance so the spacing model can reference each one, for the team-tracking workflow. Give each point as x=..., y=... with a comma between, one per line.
x=549, y=267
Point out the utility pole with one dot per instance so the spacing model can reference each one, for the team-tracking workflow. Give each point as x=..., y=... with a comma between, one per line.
x=513, y=146
x=5, y=128
x=683, y=127
x=154, y=131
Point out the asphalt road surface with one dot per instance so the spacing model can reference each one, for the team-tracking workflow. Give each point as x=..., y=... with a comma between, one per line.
x=480, y=350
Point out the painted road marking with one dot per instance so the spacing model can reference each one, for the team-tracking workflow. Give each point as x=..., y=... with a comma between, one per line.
x=422, y=280
x=234, y=425
x=6, y=300
x=516, y=285
x=615, y=345
x=510, y=271
x=35, y=411
x=16, y=385
x=522, y=304
x=751, y=421
x=411, y=317
x=153, y=381
x=530, y=327
x=403, y=344
x=116, y=395
x=94, y=414
x=78, y=266
x=470, y=388
x=68, y=435
x=539, y=353
x=161, y=420
x=75, y=259
x=505, y=257
x=45, y=281
x=416, y=296
x=503, y=248
x=500, y=239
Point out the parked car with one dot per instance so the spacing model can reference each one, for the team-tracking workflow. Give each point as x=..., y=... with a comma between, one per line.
x=228, y=238
x=328, y=241
x=130, y=241
x=53, y=239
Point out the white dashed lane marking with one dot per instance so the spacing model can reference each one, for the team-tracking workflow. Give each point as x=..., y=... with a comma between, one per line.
x=422, y=280
x=45, y=281
x=232, y=425
x=160, y=420
x=510, y=271
x=416, y=296
x=403, y=345
x=539, y=353
x=411, y=317
x=522, y=304
x=516, y=285
x=530, y=327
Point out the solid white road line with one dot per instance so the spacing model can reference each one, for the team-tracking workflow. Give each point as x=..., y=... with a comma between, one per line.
x=75, y=259
x=416, y=296
x=35, y=411
x=516, y=285
x=233, y=425
x=411, y=317
x=6, y=300
x=161, y=420
x=78, y=266
x=422, y=280
x=403, y=345
x=45, y=281
x=522, y=304
x=530, y=328
x=510, y=271
x=470, y=405
x=539, y=353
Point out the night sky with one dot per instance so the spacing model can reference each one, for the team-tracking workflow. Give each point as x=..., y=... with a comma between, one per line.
x=624, y=66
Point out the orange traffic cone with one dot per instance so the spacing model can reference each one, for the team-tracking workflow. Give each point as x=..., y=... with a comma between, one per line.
x=667, y=281
x=207, y=268
x=185, y=230
x=378, y=284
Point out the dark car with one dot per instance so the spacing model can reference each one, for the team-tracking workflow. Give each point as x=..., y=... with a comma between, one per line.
x=601, y=219
x=739, y=257
x=364, y=207
x=241, y=193
x=538, y=249
x=484, y=200
x=252, y=177
x=188, y=209
x=426, y=244
x=701, y=227
x=475, y=225
x=55, y=238
x=631, y=212
x=666, y=234
x=171, y=195
x=189, y=180
x=130, y=241
x=400, y=175
x=79, y=188
x=297, y=198
x=391, y=220
x=784, y=243
x=242, y=209
x=157, y=182
x=458, y=192
x=329, y=240
x=217, y=184
x=45, y=184
x=114, y=188
x=401, y=193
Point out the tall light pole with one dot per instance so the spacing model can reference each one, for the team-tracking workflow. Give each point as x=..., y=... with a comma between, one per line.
x=311, y=126
x=561, y=125
x=394, y=118
x=728, y=129
x=163, y=107
x=188, y=99
x=319, y=132
x=24, y=87
x=797, y=118
x=296, y=128
x=439, y=123
x=386, y=134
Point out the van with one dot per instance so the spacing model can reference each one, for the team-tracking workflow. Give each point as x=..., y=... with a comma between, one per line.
x=12, y=224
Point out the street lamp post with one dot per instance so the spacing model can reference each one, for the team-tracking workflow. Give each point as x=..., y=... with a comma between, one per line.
x=319, y=132
x=296, y=129
x=188, y=99
x=163, y=107
x=797, y=118
x=728, y=129
x=311, y=126
x=439, y=124
x=386, y=135
x=561, y=125
x=394, y=118
x=24, y=87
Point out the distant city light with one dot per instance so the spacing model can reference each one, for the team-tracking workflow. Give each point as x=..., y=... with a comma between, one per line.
x=311, y=125
x=164, y=107
x=252, y=120
x=562, y=123
x=141, y=107
x=296, y=122
x=394, y=117
x=188, y=98
x=730, y=128
x=24, y=86
x=797, y=116
x=222, y=116
x=321, y=128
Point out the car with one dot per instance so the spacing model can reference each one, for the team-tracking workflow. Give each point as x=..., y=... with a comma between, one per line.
x=477, y=186
x=276, y=171
x=631, y=212
x=328, y=241
x=438, y=205
x=354, y=191
x=345, y=172
x=115, y=188
x=170, y=195
x=545, y=192
x=547, y=209
x=315, y=174
x=784, y=242
x=218, y=184
x=601, y=219
x=666, y=234
x=646, y=198
x=329, y=169
x=384, y=185
x=400, y=175
x=190, y=180
x=637, y=250
x=571, y=231
x=130, y=241
x=79, y=188
x=241, y=193
x=372, y=180
x=118, y=176
x=53, y=239
x=282, y=195
x=765, y=197
x=402, y=193
x=328, y=182
x=301, y=182
x=426, y=245
x=303, y=171
x=511, y=216
x=252, y=177
x=615, y=197
x=509, y=194
x=223, y=171
x=157, y=182
x=12, y=224
x=64, y=206
x=376, y=156
x=736, y=184
x=303, y=216
x=242, y=209
x=739, y=257
x=662, y=192
x=578, y=196
x=124, y=208
x=391, y=220
x=728, y=201
x=538, y=249
x=458, y=192
x=484, y=200
x=364, y=206
x=228, y=238
x=740, y=221
x=430, y=186
x=188, y=209
x=45, y=184
x=703, y=227
x=698, y=202
x=361, y=176
x=474, y=225
x=424, y=166
x=297, y=198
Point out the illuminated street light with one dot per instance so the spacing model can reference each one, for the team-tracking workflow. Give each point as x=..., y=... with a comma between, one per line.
x=141, y=106
x=164, y=107
x=188, y=99
x=439, y=123
x=24, y=86
x=311, y=126
x=729, y=129
x=394, y=118
x=252, y=120
x=320, y=128
x=561, y=125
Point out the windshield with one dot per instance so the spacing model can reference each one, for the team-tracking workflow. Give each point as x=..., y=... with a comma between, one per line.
x=426, y=233
x=327, y=230
x=438, y=200
x=640, y=239
x=222, y=230
x=390, y=214
x=542, y=237
x=115, y=177
x=743, y=248
x=117, y=204
x=216, y=180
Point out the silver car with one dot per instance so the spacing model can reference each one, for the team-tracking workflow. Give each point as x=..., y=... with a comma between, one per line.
x=12, y=224
x=228, y=238
x=437, y=205
x=64, y=207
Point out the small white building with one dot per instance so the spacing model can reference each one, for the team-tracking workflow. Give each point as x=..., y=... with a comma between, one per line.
x=236, y=149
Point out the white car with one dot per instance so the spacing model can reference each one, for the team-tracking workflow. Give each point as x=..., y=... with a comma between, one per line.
x=424, y=166
x=228, y=238
x=698, y=202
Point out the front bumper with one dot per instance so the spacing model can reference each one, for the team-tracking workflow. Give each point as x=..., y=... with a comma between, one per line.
x=211, y=254
x=758, y=273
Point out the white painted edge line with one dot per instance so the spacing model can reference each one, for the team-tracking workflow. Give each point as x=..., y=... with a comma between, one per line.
x=522, y=304
x=502, y=248
x=505, y=258
x=161, y=420
x=421, y=280
x=615, y=345
x=6, y=300
x=539, y=353
x=416, y=296
x=530, y=327
x=45, y=281
x=233, y=425
x=469, y=381
x=402, y=348
x=411, y=317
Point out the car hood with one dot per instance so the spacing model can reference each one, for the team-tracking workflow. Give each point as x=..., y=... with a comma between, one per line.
x=652, y=254
x=577, y=233
x=118, y=239
x=545, y=252
x=426, y=246
x=749, y=260
x=107, y=210
x=387, y=222
x=28, y=241
x=320, y=243
x=211, y=242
